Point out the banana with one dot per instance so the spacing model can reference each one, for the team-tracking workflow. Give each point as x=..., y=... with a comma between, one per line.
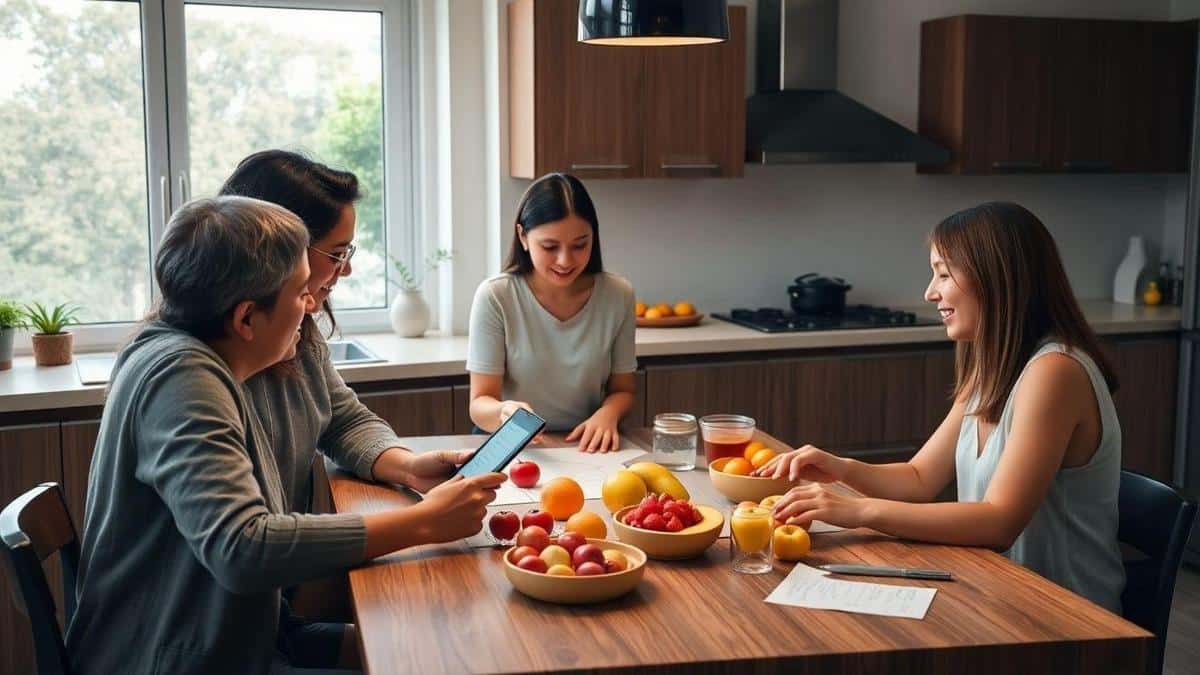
x=659, y=479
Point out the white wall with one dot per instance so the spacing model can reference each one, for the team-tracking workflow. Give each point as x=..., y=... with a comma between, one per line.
x=1185, y=9
x=739, y=242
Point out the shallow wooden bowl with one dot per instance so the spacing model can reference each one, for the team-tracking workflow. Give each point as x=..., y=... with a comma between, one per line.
x=745, y=488
x=686, y=543
x=670, y=321
x=580, y=590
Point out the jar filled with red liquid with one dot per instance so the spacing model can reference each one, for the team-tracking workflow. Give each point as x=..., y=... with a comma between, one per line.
x=725, y=435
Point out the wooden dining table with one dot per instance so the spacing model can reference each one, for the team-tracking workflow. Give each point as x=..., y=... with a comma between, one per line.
x=450, y=609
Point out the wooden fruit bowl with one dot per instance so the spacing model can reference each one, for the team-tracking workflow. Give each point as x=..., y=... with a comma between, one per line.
x=745, y=488
x=670, y=321
x=686, y=543
x=580, y=590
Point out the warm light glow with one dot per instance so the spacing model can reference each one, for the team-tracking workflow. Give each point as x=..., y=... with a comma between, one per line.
x=654, y=41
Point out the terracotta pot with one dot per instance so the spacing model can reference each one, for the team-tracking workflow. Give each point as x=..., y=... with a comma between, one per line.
x=52, y=350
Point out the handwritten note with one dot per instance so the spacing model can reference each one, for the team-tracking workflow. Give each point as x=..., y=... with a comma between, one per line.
x=810, y=587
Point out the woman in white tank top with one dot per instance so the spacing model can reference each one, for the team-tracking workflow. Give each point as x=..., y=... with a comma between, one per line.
x=1032, y=437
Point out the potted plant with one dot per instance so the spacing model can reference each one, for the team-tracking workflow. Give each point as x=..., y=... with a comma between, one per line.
x=51, y=344
x=11, y=318
x=409, y=312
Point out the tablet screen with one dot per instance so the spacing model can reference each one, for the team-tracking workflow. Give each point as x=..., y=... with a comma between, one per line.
x=500, y=448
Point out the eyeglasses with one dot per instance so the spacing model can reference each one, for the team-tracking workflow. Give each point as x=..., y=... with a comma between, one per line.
x=341, y=259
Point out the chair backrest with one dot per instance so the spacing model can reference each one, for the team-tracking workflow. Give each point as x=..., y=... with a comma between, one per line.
x=1155, y=519
x=32, y=528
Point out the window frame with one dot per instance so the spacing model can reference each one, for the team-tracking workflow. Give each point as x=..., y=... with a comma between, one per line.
x=164, y=80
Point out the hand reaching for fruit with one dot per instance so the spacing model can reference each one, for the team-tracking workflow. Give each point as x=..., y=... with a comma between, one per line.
x=814, y=501
x=806, y=463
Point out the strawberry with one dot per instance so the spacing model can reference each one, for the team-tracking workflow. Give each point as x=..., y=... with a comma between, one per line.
x=654, y=522
x=674, y=524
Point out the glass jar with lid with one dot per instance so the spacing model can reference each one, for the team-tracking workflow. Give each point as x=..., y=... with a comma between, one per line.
x=675, y=441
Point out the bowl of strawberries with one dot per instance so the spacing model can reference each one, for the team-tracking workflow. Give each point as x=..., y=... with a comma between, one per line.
x=667, y=528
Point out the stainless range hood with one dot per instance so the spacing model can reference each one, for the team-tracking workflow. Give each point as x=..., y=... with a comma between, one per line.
x=797, y=115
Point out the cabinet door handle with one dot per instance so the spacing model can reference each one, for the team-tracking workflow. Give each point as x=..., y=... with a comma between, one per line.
x=709, y=167
x=1017, y=165
x=1087, y=165
x=599, y=167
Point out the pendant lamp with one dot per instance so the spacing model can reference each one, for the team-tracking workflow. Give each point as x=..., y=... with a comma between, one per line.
x=653, y=23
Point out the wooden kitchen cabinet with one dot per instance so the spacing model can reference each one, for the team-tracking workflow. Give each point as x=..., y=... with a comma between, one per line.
x=78, y=447
x=30, y=455
x=1148, y=372
x=739, y=387
x=621, y=112
x=1020, y=94
x=414, y=412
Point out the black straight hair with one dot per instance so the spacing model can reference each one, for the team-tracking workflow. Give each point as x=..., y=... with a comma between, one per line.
x=307, y=188
x=550, y=199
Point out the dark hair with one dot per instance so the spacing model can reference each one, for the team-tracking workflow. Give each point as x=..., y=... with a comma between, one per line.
x=1013, y=267
x=309, y=189
x=216, y=253
x=548, y=200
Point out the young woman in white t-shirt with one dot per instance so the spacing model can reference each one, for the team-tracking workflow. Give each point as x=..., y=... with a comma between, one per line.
x=555, y=333
x=1032, y=438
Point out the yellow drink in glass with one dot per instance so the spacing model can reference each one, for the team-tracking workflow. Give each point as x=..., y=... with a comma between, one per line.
x=751, y=530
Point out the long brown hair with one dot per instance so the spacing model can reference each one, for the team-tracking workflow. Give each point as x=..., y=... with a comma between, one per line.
x=1013, y=268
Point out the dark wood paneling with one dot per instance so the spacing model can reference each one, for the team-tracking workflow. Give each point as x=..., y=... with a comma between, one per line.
x=416, y=412
x=939, y=388
x=78, y=446
x=462, y=409
x=29, y=455
x=696, y=107
x=587, y=101
x=1148, y=370
x=737, y=387
x=636, y=419
x=844, y=403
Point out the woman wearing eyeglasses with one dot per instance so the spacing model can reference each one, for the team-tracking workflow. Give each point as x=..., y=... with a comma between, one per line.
x=305, y=406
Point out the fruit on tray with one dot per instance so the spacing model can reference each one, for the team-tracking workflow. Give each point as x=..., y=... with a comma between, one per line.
x=588, y=524
x=659, y=479
x=663, y=513
x=534, y=537
x=524, y=474
x=663, y=309
x=622, y=489
x=562, y=498
x=791, y=542
x=504, y=525
x=538, y=517
x=570, y=555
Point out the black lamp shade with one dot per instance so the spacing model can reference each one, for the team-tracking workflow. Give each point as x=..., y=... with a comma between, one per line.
x=653, y=23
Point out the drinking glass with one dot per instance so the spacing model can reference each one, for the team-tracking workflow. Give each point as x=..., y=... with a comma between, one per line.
x=750, y=530
x=725, y=435
x=675, y=441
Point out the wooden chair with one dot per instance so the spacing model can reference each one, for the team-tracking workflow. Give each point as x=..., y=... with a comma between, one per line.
x=33, y=527
x=1155, y=519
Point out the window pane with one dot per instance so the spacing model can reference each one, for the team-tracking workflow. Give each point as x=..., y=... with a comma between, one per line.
x=305, y=80
x=73, y=203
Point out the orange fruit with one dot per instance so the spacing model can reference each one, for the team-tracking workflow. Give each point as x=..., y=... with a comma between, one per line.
x=762, y=457
x=639, y=309
x=738, y=467
x=664, y=309
x=562, y=498
x=684, y=308
x=753, y=447
x=588, y=524
x=652, y=313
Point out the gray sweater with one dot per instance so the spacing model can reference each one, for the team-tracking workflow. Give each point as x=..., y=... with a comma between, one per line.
x=188, y=535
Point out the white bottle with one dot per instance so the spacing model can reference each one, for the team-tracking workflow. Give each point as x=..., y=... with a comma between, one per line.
x=1125, y=283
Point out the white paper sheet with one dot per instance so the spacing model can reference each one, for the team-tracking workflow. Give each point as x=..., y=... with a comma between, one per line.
x=810, y=587
x=587, y=469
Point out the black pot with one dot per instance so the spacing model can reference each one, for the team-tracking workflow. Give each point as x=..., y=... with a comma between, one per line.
x=815, y=294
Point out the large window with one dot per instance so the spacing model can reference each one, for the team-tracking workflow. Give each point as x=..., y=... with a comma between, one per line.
x=112, y=113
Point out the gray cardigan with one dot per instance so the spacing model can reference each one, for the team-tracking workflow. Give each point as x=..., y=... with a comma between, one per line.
x=188, y=536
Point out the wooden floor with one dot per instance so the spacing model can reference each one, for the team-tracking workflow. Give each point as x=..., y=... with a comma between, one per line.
x=1183, y=635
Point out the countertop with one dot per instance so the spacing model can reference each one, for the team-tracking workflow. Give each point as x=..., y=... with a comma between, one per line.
x=29, y=387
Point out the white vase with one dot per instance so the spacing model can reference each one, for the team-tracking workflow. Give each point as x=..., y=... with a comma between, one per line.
x=409, y=314
x=1125, y=283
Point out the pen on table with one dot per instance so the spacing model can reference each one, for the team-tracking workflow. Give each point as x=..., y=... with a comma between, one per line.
x=876, y=571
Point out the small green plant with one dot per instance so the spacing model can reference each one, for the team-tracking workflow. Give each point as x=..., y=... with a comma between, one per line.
x=50, y=321
x=407, y=281
x=11, y=315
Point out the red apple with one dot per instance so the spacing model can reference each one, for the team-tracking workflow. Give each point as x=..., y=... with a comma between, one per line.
x=504, y=525
x=533, y=536
x=515, y=555
x=533, y=564
x=571, y=541
x=542, y=519
x=589, y=568
x=587, y=553
x=524, y=474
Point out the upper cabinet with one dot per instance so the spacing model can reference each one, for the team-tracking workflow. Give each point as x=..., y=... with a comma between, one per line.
x=621, y=112
x=1012, y=94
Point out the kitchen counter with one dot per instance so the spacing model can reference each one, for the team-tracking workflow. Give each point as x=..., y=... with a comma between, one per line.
x=28, y=387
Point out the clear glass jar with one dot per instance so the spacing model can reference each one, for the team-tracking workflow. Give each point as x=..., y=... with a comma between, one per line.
x=675, y=441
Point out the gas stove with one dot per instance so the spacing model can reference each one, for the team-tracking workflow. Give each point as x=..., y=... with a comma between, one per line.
x=774, y=320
